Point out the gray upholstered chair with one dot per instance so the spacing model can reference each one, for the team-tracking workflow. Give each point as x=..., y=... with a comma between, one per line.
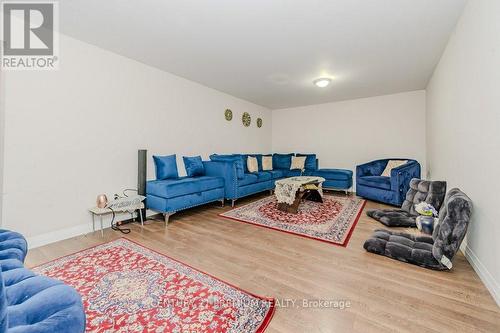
x=432, y=192
x=434, y=252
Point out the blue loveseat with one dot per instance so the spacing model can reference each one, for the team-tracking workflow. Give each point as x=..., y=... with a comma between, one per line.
x=30, y=303
x=391, y=190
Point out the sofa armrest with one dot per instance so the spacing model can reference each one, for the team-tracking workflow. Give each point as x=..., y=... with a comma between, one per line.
x=226, y=170
x=401, y=177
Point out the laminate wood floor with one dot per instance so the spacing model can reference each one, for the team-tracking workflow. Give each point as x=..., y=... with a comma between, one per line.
x=384, y=295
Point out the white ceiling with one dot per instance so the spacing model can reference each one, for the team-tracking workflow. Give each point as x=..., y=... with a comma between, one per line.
x=269, y=51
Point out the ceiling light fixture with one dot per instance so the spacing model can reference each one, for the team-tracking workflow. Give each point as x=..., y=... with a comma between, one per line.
x=322, y=82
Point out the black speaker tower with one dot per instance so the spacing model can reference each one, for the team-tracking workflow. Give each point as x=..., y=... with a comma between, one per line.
x=141, y=177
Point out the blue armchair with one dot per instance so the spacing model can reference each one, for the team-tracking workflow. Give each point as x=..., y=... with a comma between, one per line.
x=31, y=303
x=391, y=190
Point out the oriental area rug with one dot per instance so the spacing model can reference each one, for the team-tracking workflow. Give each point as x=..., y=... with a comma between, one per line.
x=126, y=287
x=331, y=221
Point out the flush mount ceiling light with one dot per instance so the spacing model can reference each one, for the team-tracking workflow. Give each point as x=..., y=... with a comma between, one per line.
x=322, y=82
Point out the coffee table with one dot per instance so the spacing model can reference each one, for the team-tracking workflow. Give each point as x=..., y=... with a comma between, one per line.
x=291, y=191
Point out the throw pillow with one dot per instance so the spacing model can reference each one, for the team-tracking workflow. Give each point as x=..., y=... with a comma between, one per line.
x=298, y=162
x=194, y=166
x=282, y=161
x=310, y=161
x=252, y=164
x=166, y=167
x=267, y=163
x=244, y=159
x=391, y=165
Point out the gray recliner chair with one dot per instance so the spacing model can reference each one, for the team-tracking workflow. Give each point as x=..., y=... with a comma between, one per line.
x=432, y=192
x=434, y=252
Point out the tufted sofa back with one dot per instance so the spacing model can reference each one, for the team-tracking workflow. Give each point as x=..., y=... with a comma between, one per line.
x=454, y=219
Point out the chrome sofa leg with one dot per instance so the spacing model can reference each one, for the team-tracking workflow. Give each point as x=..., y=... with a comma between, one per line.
x=222, y=202
x=270, y=192
x=167, y=217
x=232, y=202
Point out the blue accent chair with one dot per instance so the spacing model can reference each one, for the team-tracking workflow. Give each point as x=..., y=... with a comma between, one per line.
x=391, y=190
x=30, y=303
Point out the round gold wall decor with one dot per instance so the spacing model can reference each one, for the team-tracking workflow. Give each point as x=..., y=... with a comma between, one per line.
x=228, y=114
x=246, y=119
x=259, y=122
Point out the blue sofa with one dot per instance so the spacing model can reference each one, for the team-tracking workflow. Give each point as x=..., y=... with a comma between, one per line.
x=175, y=193
x=239, y=182
x=226, y=177
x=391, y=190
x=30, y=303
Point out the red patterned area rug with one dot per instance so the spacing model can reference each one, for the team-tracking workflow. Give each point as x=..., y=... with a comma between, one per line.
x=126, y=287
x=331, y=221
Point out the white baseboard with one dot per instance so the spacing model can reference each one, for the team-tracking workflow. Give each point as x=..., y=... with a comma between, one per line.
x=489, y=281
x=78, y=230
x=55, y=236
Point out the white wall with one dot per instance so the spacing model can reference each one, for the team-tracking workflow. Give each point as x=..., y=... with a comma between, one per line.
x=345, y=134
x=74, y=133
x=2, y=138
x=463, y=138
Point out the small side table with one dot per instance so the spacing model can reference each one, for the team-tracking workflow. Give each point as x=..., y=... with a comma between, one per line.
x=100, y=212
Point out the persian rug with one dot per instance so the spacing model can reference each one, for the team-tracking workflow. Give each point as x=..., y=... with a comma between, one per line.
x=126, y=287
x=331, y=221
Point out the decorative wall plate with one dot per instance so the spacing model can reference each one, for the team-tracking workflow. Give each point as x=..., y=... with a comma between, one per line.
x=228, y=114
x=259, y=122
x=246, y=119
